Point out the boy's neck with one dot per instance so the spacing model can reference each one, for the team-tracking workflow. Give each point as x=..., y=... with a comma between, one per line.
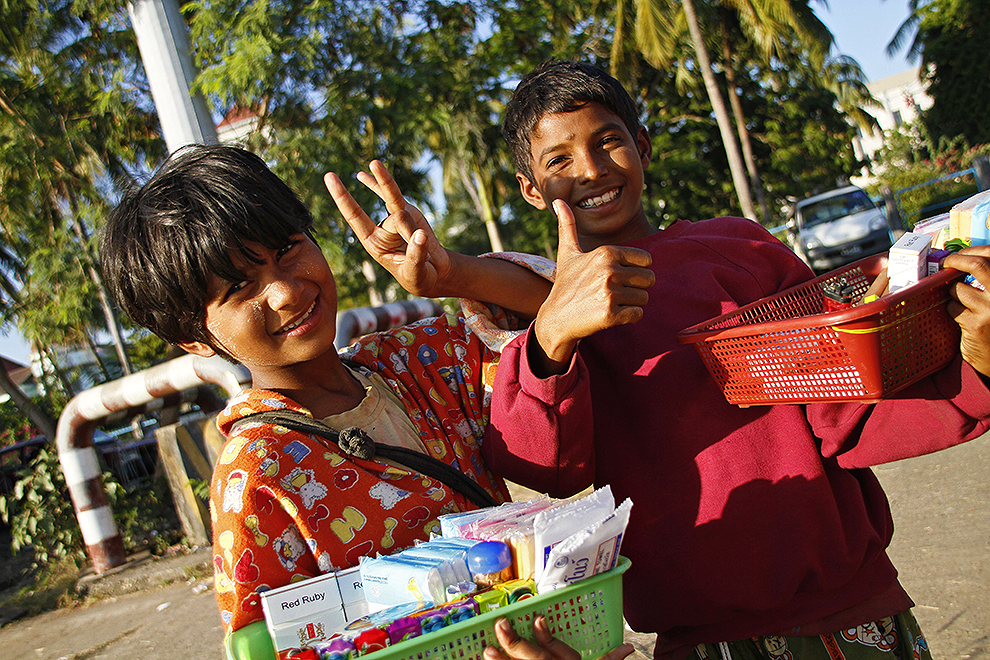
x=640, y=228
x=325, y=389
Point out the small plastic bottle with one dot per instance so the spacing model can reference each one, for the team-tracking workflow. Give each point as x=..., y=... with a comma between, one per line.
x=490, y=563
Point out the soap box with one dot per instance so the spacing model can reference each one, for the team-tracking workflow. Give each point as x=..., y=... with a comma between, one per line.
x=302, y=613
x=907, y=261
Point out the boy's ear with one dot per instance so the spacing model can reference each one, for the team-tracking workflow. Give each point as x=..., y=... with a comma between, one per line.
x=645, y=146
x=530, y=192
x=197, y=348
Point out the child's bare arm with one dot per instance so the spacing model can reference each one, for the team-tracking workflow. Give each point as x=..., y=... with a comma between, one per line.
x=592, y=291
x=970, y=306
x=404, y=243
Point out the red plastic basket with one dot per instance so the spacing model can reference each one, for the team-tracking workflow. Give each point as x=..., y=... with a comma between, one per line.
x=783, y=349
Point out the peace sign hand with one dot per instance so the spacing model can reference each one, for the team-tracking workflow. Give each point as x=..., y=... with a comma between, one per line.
x=592, y=291
x=404, y=243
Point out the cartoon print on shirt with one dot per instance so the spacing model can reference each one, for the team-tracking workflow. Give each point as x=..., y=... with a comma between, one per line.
x=777, y=647
x=345, y=478
x=345, y=526
x=233, y=491
x=296, y=450
x=289, y=547
x=305, y=484
x=253, y=524
x=399, y=361
x=387, y=494
x=321, y=513
x=878, y=634
x=268, y=466
x=231, y=449
x=387, y=540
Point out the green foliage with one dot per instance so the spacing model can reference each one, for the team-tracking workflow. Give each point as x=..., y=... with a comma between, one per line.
x=40, y=514
x=908, y=158
x=41, y=517
x=952, y=37
x=14, y=425
x=145, y=517
x=147, y=349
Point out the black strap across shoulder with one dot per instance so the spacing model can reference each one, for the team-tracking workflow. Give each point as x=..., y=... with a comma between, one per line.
x=355, y=442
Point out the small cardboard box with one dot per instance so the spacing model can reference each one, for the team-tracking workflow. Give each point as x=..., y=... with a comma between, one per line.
x=907, y=261
x=306, y=632
x=352, y=593
x=302, y=613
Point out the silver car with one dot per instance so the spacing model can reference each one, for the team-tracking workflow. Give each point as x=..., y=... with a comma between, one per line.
x=838, y=227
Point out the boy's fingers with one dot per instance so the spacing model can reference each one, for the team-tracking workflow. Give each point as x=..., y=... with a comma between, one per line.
x=388, y=188
x=567, y=237
x=556, y=648
x=619, y=652
x=348, y=207
x=514, y=646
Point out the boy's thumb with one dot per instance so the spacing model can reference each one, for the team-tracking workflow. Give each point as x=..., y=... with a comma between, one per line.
x=567, y=237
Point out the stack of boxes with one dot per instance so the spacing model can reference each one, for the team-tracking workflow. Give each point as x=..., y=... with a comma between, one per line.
x=310, y=611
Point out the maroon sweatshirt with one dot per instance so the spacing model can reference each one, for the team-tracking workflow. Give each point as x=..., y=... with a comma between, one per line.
x=745, y=521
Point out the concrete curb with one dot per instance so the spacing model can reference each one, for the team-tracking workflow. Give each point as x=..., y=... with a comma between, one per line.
x=144, y=571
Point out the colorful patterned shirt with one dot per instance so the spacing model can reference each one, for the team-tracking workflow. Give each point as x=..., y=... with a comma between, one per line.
x=286, y=506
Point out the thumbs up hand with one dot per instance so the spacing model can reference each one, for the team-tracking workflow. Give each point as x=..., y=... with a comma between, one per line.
x=592, y=291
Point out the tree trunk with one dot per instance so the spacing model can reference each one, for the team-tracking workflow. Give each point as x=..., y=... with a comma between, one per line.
x=38, y=417
x=736, y=166
x=62, y=378
x=747, y=146
x=109, y=312
x=482, y=204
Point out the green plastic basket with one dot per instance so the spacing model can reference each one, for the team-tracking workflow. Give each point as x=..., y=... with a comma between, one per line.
x=587, y=616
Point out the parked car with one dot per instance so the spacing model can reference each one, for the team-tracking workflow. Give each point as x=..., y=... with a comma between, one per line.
x=837, y=227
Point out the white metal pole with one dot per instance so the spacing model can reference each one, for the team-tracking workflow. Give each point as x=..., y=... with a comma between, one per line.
x=163, y=39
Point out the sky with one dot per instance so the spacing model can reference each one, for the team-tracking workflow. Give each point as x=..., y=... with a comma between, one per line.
x=862, y=30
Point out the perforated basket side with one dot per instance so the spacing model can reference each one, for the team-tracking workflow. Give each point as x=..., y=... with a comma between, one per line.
x=783, y=349
x=916, y=337
x=587, y=616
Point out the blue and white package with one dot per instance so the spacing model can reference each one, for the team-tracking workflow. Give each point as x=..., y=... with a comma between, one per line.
x=391, y=581
x=456, y=558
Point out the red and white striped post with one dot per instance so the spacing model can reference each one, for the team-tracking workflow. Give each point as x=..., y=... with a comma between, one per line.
x=160, y=386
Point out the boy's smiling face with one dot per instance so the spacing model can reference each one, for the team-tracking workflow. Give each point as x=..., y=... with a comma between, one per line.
x=282, y=314
x=588, y=159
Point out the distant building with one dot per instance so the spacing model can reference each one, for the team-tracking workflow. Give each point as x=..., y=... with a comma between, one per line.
x=21, y=376
x=901, y=96
x=238, y=124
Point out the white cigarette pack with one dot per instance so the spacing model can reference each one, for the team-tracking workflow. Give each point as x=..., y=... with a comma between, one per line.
x=352, y=593
x=907, y=261
x=302, y=613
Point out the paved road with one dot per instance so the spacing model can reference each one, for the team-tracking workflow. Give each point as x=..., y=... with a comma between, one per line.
x=942, y=547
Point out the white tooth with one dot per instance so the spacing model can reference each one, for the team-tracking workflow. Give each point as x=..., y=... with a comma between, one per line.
x=300, y=321
x=601, y=199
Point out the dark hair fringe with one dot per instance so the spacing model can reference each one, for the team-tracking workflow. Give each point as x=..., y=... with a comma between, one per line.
x=561, y=86
x=166, y=239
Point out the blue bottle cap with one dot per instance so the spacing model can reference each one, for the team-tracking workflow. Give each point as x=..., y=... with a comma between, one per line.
x=488, y=557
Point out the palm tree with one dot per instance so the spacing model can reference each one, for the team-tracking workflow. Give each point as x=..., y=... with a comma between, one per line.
x=766, y=24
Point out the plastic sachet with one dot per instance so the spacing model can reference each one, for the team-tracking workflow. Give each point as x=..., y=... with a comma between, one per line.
x=553, y=526
x=455, y=525
x=591, y=551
